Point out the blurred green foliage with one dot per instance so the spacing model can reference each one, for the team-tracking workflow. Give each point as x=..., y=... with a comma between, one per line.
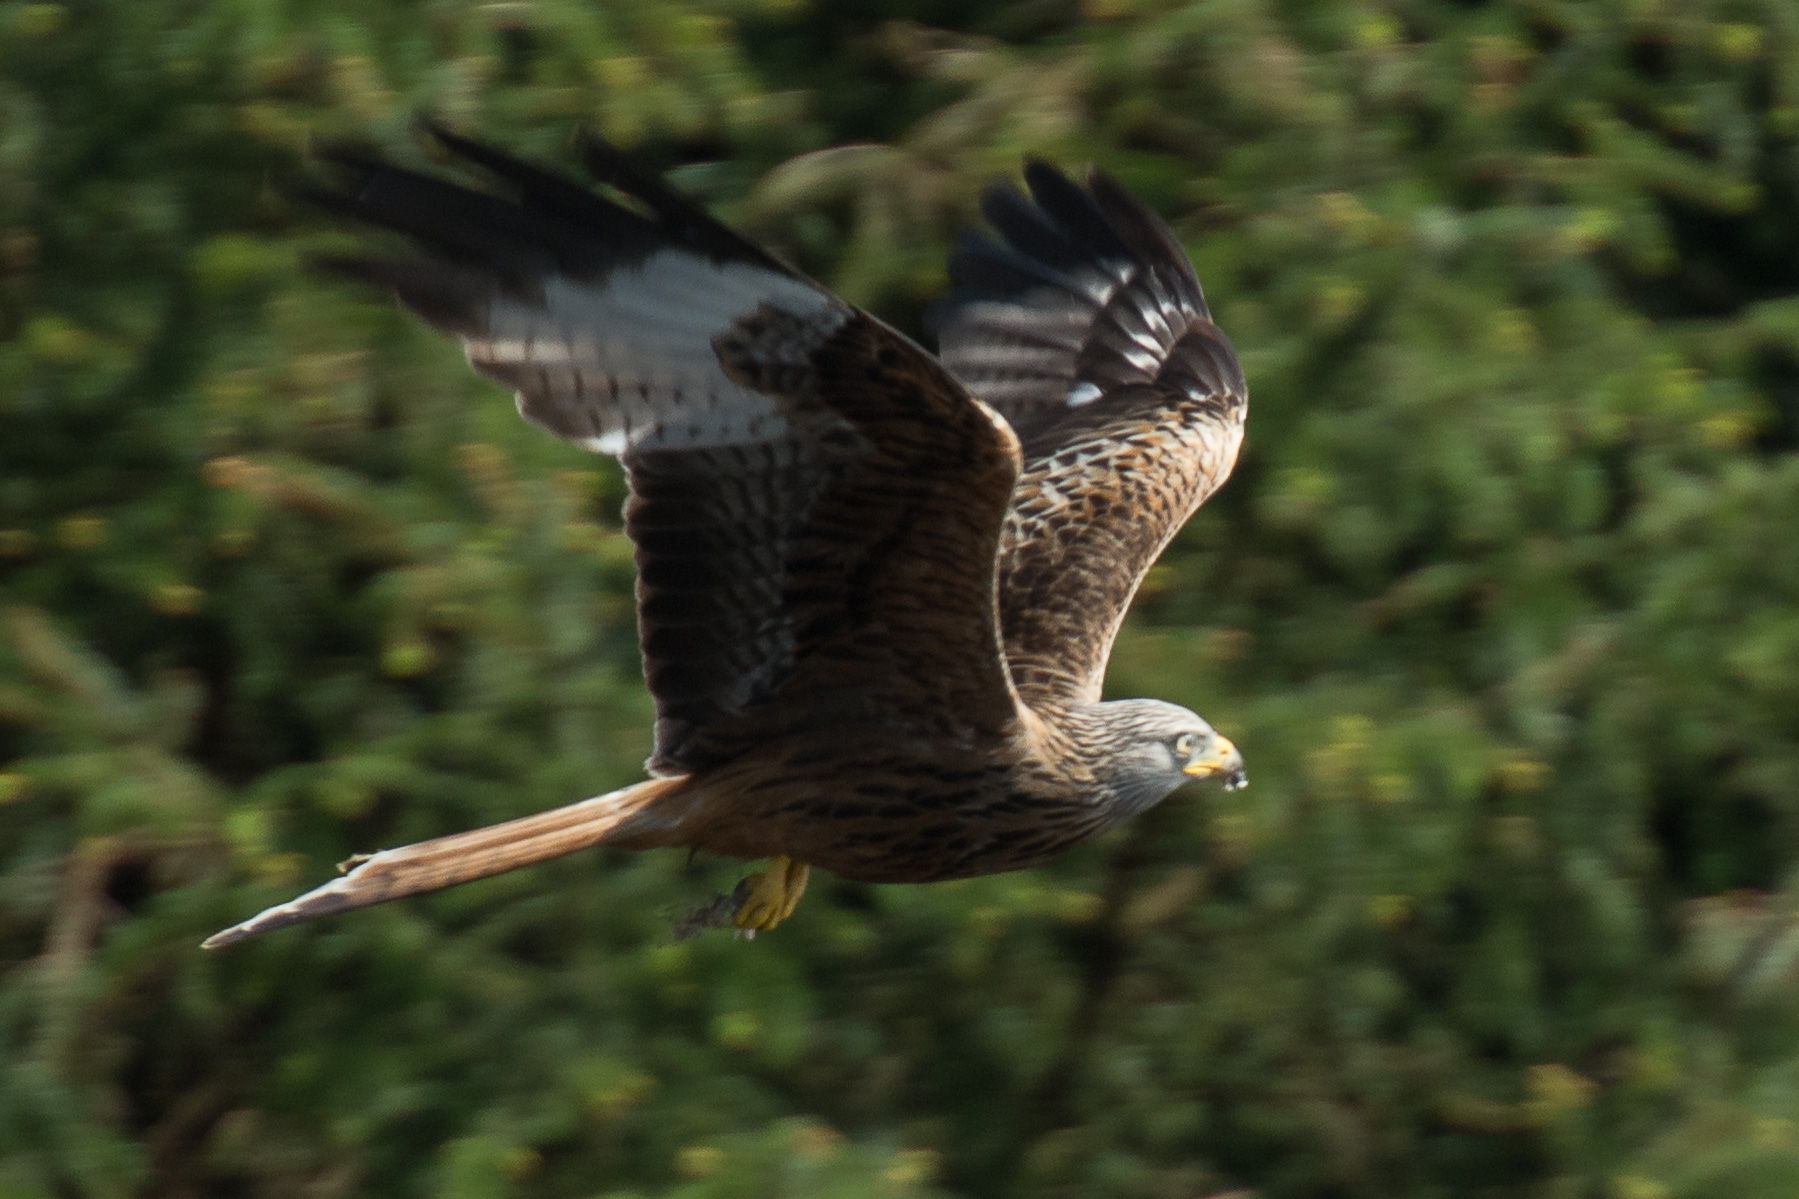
x=1501, y=606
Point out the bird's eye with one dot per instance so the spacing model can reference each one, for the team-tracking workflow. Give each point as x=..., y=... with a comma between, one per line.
x=1186, y=745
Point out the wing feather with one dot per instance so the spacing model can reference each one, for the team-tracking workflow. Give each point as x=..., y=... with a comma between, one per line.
x=1087, y=328
x=599, y=317
x=888, y=586
x=816, y=504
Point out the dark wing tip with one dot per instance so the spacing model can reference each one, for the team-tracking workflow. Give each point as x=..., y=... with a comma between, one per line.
x=531, y=221
x=1204, y=366
x=681, y=220
x=1073, y=209
x=1149, y=237
x=1066, y=235
x=448, y=297
x=1084, y=287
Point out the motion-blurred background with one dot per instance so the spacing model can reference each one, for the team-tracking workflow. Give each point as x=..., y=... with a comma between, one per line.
x=1502, y=604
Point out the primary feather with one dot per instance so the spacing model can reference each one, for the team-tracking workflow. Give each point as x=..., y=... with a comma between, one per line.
x=1087, y=328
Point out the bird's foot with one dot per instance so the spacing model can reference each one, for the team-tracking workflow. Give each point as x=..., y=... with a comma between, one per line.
x=772, y=895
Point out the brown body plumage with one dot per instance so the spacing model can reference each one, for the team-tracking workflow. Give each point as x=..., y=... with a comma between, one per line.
x=877, y=590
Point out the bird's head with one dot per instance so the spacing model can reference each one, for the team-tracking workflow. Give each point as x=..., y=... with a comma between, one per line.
x=1158, y=746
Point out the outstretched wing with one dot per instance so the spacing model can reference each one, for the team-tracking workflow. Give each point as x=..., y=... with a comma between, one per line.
x=1088, y=330
x=816, y=504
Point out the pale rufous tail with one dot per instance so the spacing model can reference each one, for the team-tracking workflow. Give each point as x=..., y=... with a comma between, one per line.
x=460, y=858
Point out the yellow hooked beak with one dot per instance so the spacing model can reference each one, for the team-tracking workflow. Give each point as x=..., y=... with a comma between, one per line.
x=1223, y=761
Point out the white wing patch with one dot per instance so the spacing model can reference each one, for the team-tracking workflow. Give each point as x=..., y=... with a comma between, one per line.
x=627, y=361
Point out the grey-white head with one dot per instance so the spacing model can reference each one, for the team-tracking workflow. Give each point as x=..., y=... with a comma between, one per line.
x=1155, y=747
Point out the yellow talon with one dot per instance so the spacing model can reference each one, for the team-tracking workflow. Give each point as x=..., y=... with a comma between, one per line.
x=772, y=895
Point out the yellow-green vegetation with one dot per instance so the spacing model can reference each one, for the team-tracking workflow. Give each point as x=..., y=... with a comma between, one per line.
x=1503, y=607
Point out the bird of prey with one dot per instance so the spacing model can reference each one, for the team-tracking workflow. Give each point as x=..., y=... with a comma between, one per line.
x=876, y=589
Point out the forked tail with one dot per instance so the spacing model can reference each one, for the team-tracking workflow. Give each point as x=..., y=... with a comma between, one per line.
x=459, y=858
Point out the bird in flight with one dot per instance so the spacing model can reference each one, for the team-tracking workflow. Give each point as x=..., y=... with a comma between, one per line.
x=876, y=589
